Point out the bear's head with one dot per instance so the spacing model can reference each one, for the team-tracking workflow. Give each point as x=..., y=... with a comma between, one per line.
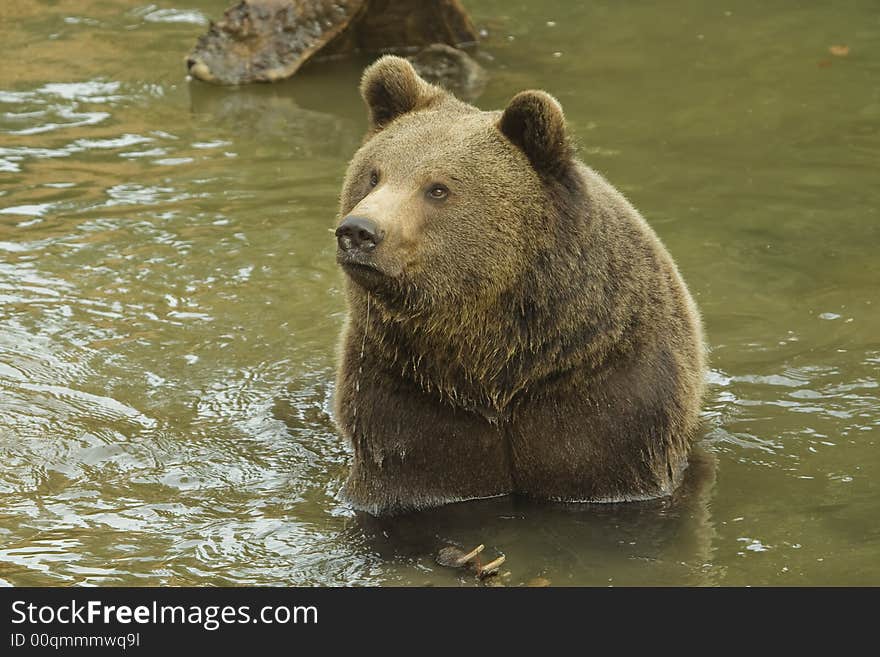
x=445, y=204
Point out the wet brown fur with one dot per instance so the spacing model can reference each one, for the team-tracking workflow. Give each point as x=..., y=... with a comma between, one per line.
x=530, y=334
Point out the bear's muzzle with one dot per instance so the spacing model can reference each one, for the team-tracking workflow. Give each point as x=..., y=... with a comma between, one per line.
x=358, y=234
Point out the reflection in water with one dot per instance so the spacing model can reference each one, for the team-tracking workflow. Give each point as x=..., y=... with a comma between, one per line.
x=574, y=544
x=271, y=114
x=169, y=303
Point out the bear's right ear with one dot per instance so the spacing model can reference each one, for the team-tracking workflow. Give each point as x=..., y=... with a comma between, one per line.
x=534, y=122
x=391, y=87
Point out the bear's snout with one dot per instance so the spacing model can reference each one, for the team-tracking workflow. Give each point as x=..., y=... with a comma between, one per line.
x=358, y=234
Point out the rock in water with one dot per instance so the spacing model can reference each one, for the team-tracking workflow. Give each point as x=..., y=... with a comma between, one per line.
x=401, y=25
x=269, y=40
x=450, y=68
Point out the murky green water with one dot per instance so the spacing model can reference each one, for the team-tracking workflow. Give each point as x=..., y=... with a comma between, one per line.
x=169, y=303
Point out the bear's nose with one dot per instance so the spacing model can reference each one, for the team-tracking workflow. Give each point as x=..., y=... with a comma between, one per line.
x=358, y=233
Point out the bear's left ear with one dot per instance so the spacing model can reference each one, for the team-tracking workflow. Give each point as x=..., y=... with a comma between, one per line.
x=534, y=122
x=391, y=87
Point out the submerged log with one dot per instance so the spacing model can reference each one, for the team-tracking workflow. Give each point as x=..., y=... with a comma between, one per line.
x=269, y=40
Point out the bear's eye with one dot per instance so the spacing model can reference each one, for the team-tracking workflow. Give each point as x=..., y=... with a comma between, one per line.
x=438, y=192
x=374, y=179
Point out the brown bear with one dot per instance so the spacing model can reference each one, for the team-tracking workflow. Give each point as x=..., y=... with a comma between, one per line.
x=514, y=325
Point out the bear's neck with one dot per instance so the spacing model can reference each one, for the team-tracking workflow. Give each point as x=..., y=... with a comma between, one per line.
x=480, y=361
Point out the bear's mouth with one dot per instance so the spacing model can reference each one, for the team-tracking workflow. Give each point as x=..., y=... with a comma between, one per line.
x=364, y=272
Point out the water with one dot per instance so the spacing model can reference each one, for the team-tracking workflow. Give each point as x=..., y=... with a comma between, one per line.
x=169, y=303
